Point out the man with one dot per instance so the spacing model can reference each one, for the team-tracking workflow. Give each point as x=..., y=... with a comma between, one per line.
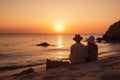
x=78, y=51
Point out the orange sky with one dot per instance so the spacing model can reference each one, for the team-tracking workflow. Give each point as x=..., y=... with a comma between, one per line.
x=43, y=16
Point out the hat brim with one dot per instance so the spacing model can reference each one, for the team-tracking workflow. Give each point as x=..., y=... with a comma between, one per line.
x=90, y=41
x=76, y=39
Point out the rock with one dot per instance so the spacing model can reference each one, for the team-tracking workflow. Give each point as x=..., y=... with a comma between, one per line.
x=113, y=33
x=54, y=64
x=44, y=44
x=30, y=70
x=99, y=40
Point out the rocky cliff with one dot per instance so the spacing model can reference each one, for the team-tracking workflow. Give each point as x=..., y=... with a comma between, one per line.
x=113, y=33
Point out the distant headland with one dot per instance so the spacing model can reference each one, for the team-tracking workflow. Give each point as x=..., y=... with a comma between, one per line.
x=112, y=35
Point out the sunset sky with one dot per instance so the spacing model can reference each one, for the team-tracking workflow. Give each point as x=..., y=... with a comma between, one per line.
x=58, y=16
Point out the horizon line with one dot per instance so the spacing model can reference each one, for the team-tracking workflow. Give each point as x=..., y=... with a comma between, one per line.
x=52, y=33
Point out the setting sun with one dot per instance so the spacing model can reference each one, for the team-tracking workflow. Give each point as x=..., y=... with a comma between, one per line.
x=59, y=28
x=58, y=16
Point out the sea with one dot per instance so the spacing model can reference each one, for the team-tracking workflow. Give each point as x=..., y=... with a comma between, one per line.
x=20, y=51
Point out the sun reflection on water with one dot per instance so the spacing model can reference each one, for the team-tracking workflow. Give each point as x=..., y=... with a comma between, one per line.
x=60, y=55
x=60, y=43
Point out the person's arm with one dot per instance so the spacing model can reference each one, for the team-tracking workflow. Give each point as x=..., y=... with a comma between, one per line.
x=71, y=51
x=86, y=52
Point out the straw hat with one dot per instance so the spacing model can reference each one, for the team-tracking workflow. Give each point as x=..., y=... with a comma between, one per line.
x=91, y=39
x=77, y=37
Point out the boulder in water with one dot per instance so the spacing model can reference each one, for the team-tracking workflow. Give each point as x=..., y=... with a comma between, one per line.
x=44, y=44
x=99, y=40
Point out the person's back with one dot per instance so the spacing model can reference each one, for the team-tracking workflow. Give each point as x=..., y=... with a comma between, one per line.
x=92, y=50
x=78, y=51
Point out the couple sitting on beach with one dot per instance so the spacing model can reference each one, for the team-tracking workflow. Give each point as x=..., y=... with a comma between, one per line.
x=80, y=53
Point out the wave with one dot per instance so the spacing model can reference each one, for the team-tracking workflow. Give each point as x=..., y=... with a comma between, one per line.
x=13, y=67
x=108, y=52
x=5, y=56
x=58, y=49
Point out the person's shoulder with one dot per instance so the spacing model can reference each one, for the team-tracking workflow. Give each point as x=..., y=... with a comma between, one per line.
x=73, y=45
x=96, y=45
x=82, y=45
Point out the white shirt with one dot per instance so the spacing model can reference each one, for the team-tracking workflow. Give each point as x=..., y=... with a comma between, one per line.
x=78, y=53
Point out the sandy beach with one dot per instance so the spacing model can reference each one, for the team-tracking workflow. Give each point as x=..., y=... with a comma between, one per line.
x=107, y=68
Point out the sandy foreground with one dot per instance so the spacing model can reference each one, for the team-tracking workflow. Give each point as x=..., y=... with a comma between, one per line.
x=107, y=68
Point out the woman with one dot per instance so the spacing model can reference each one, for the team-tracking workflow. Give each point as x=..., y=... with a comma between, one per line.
x=92, y=49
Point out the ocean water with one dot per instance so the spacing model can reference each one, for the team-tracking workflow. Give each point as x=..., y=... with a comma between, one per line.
x=20, y=50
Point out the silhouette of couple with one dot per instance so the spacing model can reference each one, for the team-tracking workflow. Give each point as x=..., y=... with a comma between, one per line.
x=80, y=53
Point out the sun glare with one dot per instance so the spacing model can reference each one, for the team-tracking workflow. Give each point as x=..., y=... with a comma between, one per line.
x=59, y=28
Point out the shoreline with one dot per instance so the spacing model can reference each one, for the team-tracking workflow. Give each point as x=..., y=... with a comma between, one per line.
x=106, y=68
x=109, y=54
x=19, y=70
x=42, y=68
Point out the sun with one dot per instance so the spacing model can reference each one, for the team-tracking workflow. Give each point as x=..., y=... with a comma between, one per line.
x=59, y=28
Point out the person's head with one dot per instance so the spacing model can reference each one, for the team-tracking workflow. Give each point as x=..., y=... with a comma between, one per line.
x=91, y=39
x=77, y=38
